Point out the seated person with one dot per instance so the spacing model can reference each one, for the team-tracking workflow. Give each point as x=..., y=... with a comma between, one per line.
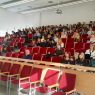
x=48, y=55
x=72, y=61
x=58, y=51
x=27, y=55
x=66, y=59
x=81, y=59
x=60, y=43
x=92, y=38
x=76, y=36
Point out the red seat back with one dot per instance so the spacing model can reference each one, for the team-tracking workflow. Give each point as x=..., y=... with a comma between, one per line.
x=44, y=58
x=35, y=49
x=9, y=54
x=43, y=50
x=87, y=46
x=51, y=77
x=35, y=74
x=51, y=50
x=26, y=71
x=70, y=51
x=6, y=67
x=67, y=82
x=79, y=45
x=14, y=69
x=15, y=55
x=57, y=59
x=36, y=56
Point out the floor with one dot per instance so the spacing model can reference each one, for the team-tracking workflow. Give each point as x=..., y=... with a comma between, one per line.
x=3, y=91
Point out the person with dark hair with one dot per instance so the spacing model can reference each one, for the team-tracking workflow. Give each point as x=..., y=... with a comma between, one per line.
x=66, y=59
x=81, y=59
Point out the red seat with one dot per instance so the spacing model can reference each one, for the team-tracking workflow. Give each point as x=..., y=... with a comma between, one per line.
x=69, y=45
x=14, y=70
x=1, y=47
x=84, y=40
x=59, y=93
x=70, y=51
x=51, y=78
x=57, y=59
x=84, y=36
x=44, y=58
x=34, y=77
x=12, y=44
x=35, y=50
x=51, y=50
x=79, y=47
x=30, y=36
x=43, y=50
x=19, y=78
x=22, y=49
x=1, y=64
x=87, y=46
x=36, y=56
x=21, y=42
x=5, y=68
x=67, y=84
x=21, y=55
x=9, y=54
x=15, y=55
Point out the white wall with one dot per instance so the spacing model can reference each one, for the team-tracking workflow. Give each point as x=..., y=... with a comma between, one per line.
x=71, y=14
x=9, y=21
x=32, y=20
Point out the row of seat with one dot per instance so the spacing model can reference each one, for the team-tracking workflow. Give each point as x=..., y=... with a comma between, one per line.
x=28, y=77
x=70, y=47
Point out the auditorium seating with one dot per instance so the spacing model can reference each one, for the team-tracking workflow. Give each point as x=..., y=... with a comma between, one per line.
x=35, y=78
x=66, y=84
x=24, y=75
x=5, y=68
x=13, y=71
x=44, y=58
x=50, y=78
x=37, y=56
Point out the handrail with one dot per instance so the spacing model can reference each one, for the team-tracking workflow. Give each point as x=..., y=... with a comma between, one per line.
x=45, y=64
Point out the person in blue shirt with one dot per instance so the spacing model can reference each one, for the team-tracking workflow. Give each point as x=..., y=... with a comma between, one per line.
x=27, y=54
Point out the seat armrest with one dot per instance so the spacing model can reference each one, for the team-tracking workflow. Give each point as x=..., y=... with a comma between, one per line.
x=52, y=86
x=69, y=92
x=1, y=73
x=15, y=75
x=35, y=82
x=24, y=78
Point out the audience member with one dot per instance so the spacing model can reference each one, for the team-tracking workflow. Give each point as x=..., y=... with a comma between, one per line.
x=27, y=54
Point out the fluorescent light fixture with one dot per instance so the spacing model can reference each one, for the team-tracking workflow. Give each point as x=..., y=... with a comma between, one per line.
x=16, y=3
x=54, y=7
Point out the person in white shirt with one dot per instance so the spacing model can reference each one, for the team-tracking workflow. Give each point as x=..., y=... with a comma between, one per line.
x=92, y=39
x=91, y=52
x=90, y=32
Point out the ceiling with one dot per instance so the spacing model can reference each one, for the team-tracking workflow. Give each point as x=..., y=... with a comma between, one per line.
x=28, y=6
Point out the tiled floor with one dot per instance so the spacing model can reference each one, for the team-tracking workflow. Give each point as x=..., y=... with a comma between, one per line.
x=3, y=91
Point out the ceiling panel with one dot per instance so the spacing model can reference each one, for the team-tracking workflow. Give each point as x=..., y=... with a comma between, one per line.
x=33, y=5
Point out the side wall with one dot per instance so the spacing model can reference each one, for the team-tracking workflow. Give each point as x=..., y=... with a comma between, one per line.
x=10, y=21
